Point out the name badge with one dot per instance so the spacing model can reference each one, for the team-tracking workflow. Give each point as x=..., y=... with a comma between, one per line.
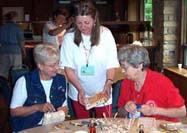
x=87, y=70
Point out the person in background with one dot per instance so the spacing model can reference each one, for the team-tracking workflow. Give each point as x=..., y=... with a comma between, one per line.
x=54, y=30
x=89, y=57
x=146, y=91
x=11, y=50
x=39, y=91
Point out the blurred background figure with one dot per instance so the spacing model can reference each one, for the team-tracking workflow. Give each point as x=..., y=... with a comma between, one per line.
x=39, y=91
x=11, y=49
x=89, y=56
x=55, y=29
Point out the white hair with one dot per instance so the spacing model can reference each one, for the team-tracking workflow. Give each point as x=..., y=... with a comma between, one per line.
x=44, y=53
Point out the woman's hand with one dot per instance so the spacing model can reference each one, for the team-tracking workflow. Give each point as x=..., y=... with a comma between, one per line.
x=81, y=97
x=148, y=109
x=46, y=107
x=64, y=108
x=107, y=88
x=130, y=107
x=73, y=79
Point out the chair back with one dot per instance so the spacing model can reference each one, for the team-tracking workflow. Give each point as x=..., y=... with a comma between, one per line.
x=16, y=72
x=116, y=87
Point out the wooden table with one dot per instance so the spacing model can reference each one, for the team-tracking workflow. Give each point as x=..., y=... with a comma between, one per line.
x=181, y=72
x=116, y=124
x=179, y=78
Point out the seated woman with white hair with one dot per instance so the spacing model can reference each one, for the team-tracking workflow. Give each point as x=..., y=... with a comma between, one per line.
x=145, y=92
x=39, y=91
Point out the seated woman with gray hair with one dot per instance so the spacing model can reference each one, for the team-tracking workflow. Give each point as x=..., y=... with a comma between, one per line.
x=145, y=92
x=39, y=91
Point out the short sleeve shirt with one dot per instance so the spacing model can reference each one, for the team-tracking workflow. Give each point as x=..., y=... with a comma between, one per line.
x=101, y=57
x=20, y=92
x=157, y=90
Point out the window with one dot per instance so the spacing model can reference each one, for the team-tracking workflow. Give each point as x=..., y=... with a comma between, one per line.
x=148, y=10
x=147, y=16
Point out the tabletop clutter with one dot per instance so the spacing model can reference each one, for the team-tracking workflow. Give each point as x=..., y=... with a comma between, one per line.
x=99, y=98
x=107, y=125
x=54, y=122
x=53, y=117
x=119, y=125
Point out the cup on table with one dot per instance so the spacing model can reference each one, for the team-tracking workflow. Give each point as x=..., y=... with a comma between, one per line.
x=179, y=66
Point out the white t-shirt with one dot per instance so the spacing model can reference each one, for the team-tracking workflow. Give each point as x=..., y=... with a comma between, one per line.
x=20, y=92
x=101, y=57
x=52, y=39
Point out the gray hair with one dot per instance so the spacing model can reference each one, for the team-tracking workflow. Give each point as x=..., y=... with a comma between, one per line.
x=134, y=55
x=44, y=53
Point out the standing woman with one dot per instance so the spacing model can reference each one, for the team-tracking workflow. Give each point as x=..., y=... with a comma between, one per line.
x=89, y=57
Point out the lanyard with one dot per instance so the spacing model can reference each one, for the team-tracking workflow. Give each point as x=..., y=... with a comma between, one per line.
x=87, y=54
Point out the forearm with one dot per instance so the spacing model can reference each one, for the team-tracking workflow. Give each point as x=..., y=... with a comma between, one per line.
x=22, y=45
x=23, y=48
x=73, y=79
x=57, y=30
x=24, y=111
x=109, y=78
x=111, y=73
x=173, y=112
x=122, y=112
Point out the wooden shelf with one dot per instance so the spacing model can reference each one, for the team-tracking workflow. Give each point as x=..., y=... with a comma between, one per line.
x=126, y=26
x=125, y=22
x=31, y=22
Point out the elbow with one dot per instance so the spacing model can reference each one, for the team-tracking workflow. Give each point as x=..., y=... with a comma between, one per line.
x=13, y=112
x=69, y=72
x=183, y=111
